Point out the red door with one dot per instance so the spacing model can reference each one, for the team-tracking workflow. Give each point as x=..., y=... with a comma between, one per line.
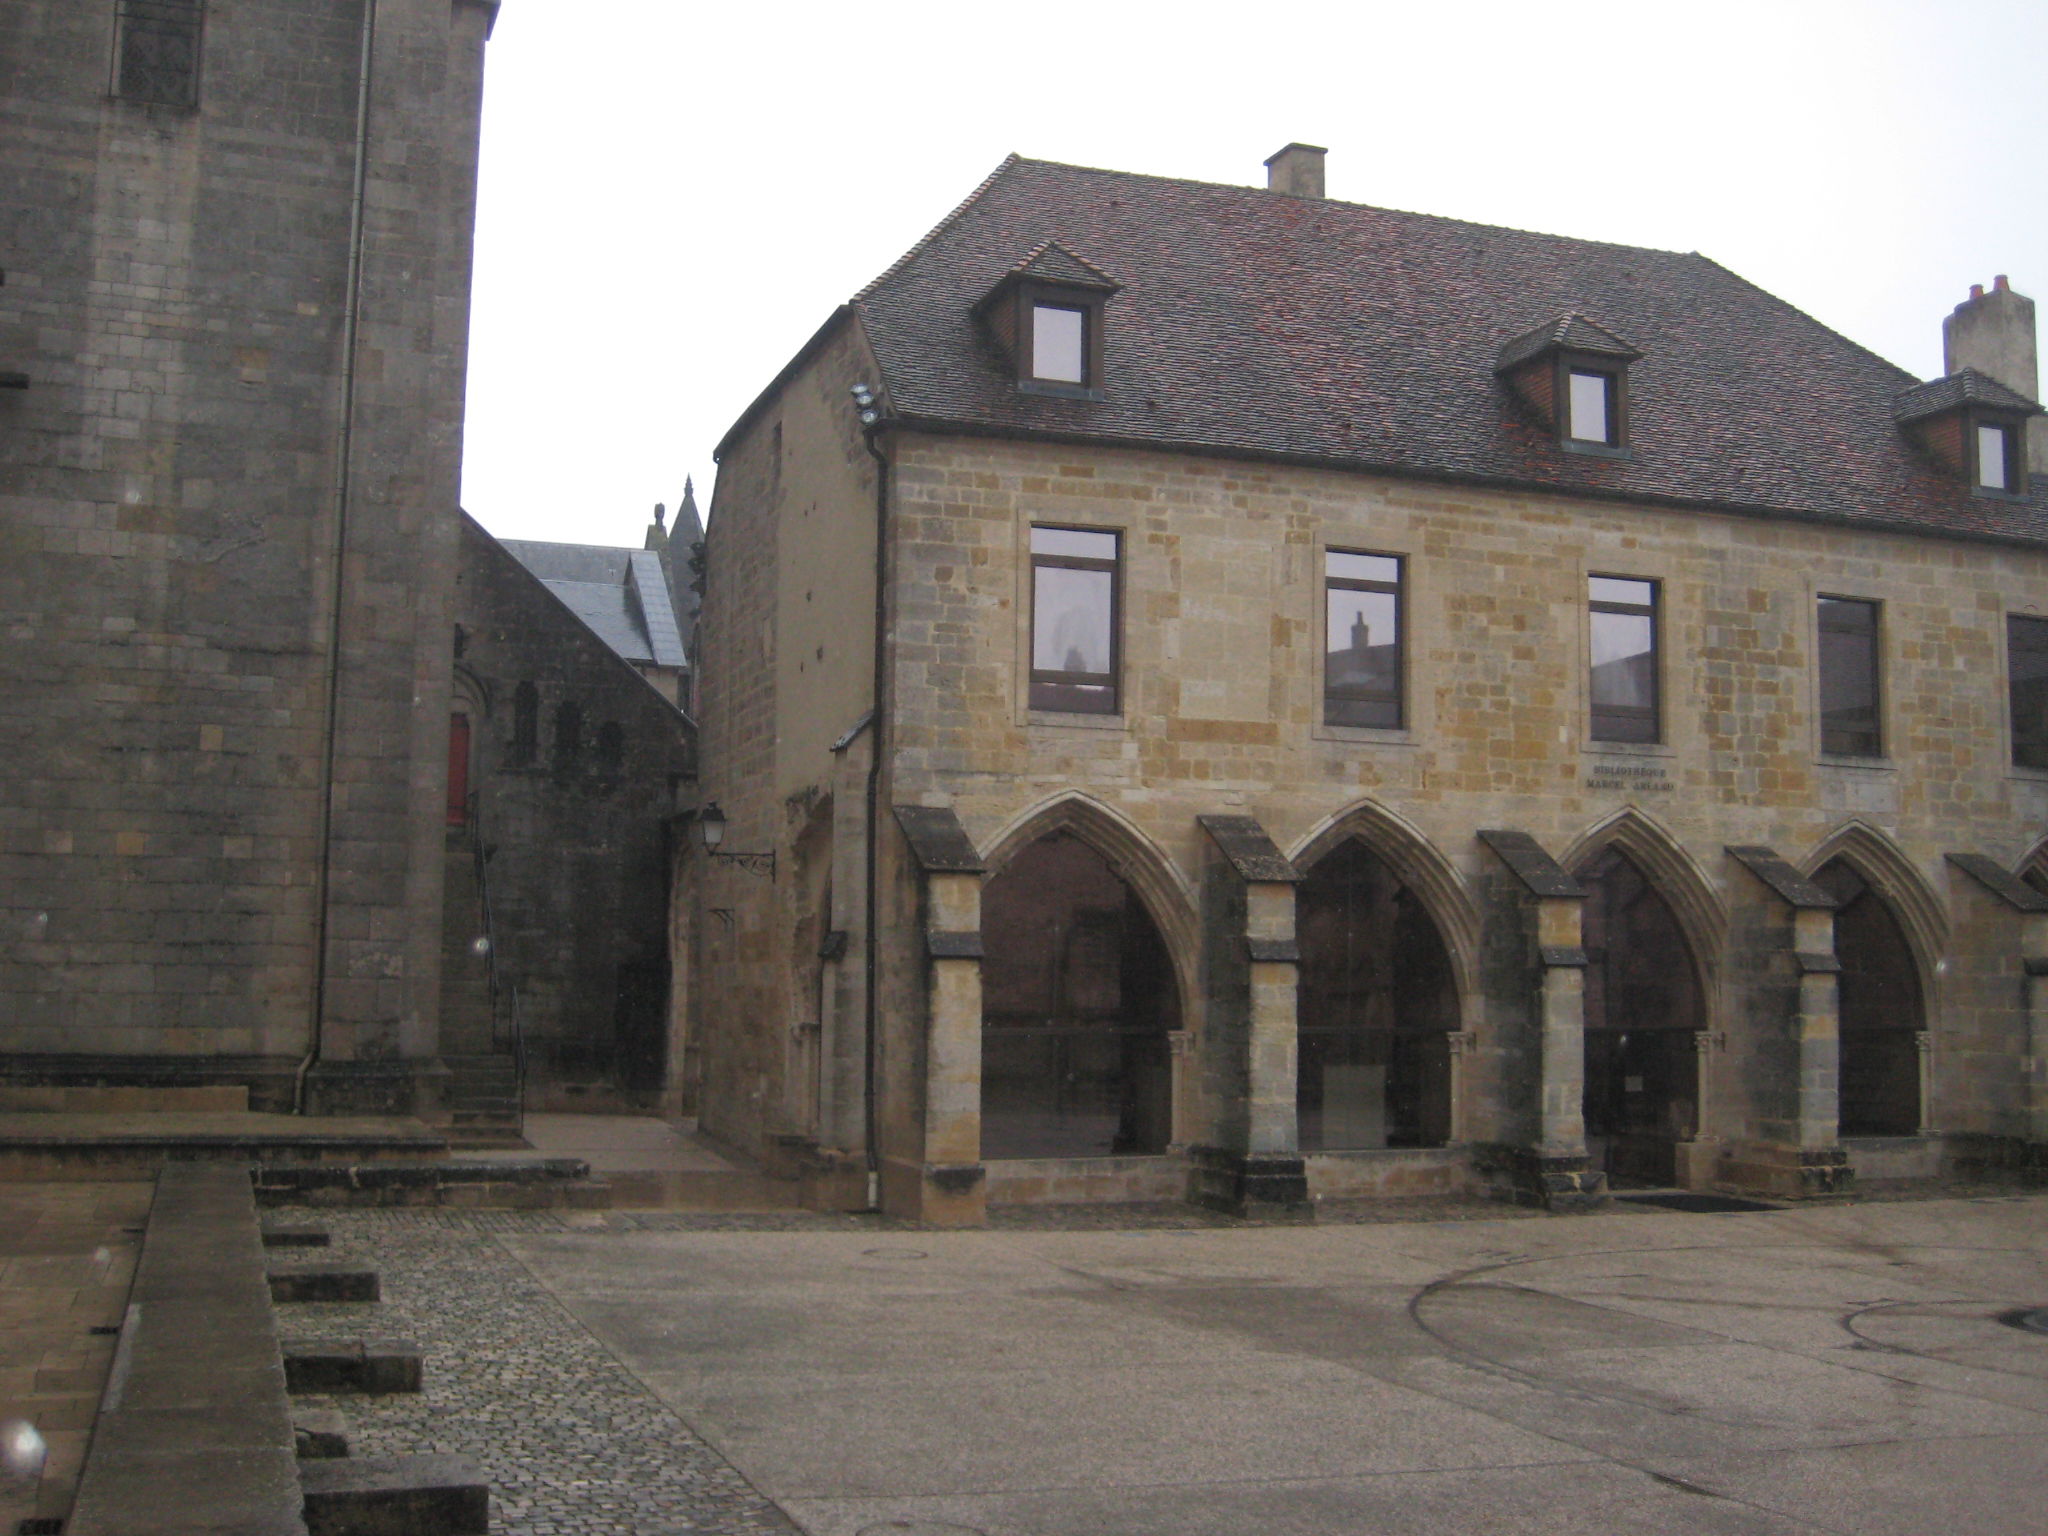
x=458, y=770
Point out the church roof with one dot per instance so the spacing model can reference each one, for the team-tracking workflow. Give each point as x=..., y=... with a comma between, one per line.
x=620, y=594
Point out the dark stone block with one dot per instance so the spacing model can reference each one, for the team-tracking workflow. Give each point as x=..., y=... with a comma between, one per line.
x=1525, y=1176
x=319, y=1434
x=324, y=1282
x=371, y=1366
x=395, y=1496
x=295, y=1237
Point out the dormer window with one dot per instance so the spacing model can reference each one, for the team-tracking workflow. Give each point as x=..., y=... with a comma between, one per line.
x=1046, y=313
x=1573, y=375
x=1974, y=427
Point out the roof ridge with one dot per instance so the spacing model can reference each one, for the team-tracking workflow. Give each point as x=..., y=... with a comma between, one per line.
x=1811, y=319
x=967, y=202
x=1338, y=202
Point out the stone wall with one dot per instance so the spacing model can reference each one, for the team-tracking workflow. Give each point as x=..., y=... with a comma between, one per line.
x=227, y=539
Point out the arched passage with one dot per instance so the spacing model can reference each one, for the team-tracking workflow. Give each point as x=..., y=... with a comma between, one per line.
x=1880, y=1008
x=1376, y=1004
x=1078, y=1000
x=1643, y=1008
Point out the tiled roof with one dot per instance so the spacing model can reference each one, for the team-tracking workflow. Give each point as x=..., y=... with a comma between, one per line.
x=1966, y=386
x=1052, y=262
x=1567, y=333
x=1260, y=324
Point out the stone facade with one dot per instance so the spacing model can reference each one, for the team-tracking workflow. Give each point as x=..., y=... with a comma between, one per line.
x=574, y=834
x=1217, y=786
x=228, y=542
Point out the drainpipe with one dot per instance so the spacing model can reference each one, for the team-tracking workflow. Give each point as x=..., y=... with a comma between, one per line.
x=869, y=1095
x=344, y=453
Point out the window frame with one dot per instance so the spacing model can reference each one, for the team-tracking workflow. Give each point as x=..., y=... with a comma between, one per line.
x=1398, y=589
x=133, y=17
x=2014, y=432
x=1654, y=612
x=2014, y=734
x=1615, y=373
x=1029, y=297
x=1878, y=734
x=1044, y=684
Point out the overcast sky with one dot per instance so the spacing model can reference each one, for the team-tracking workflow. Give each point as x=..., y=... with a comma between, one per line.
x=675, y=195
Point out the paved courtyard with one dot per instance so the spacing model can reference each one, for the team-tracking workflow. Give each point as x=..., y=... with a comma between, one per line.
x=1850, y=1369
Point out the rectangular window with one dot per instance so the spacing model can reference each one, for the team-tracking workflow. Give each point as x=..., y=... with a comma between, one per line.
x=1362, y=640
x=1075, y=643
x=1849, y=715
x=2026, y=660
x=157, y=52
x=1059, y=343
x=1995, y=467
x=1592, y=408
x=1623, y=680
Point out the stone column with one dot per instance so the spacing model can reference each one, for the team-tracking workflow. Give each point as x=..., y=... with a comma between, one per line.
x=1250, y=1162
x=952, y=1184
x=2034, y=956
x=1793, y=1147
x=1554, y=1171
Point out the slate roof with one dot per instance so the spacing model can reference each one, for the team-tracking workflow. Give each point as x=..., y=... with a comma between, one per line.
x=1265, y=325
x=1568, y=333
x=620, y=594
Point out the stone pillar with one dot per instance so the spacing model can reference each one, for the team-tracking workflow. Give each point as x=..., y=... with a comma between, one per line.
x=2034, y=956
x=951, y=1187
x=1554, y=1170
x=1793, y=1145
x=1251, y=1163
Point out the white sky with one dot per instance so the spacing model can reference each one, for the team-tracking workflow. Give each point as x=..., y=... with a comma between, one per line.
x=675, y=195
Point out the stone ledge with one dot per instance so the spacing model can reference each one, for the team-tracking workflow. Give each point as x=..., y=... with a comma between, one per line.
x=395, y=1496
x=323, y=1283
x=368, y=1366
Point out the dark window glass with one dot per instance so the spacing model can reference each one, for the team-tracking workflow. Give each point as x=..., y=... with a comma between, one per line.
x=611, y=746
x=1994, y=458
x=1362, y=639
x=1591, y=407
x=1074, y=640
x=1059, y=343
x=1078, y=1000
x=1849, y=723
x=1623, y=680
x=2026, y=660
x=525, y=724
x=158, y=59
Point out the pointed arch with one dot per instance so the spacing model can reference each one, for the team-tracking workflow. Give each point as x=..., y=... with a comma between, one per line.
x=1136, y=859
x=1702, y=915
x=1418, y=864
x=1910, y=895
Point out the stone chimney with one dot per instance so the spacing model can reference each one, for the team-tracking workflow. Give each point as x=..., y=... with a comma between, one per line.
x=1298, y=171
x=1994, y=334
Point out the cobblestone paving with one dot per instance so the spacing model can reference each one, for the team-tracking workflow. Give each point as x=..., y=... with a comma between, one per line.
x=570, y=1441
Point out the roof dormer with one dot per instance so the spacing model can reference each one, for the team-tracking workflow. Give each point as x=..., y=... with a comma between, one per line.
x=1974, y=427
x=1046, y=312
x=1573, y=374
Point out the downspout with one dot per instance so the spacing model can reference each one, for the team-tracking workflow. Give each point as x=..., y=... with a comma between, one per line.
x=344, y=454
x=869, y=1088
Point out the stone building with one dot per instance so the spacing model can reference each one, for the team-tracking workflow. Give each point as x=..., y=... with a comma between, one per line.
x=237, y=260
x=1217, y=691
x=567, y=752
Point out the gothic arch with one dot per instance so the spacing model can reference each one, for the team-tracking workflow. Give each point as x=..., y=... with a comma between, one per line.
x=1678, y=879
x=1419, y=866
x=1884, y=865
x=467, y=688
x=1136, y=860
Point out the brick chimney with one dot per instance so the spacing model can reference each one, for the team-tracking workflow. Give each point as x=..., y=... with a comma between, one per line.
x=1994, y=334
x=1298, y=172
